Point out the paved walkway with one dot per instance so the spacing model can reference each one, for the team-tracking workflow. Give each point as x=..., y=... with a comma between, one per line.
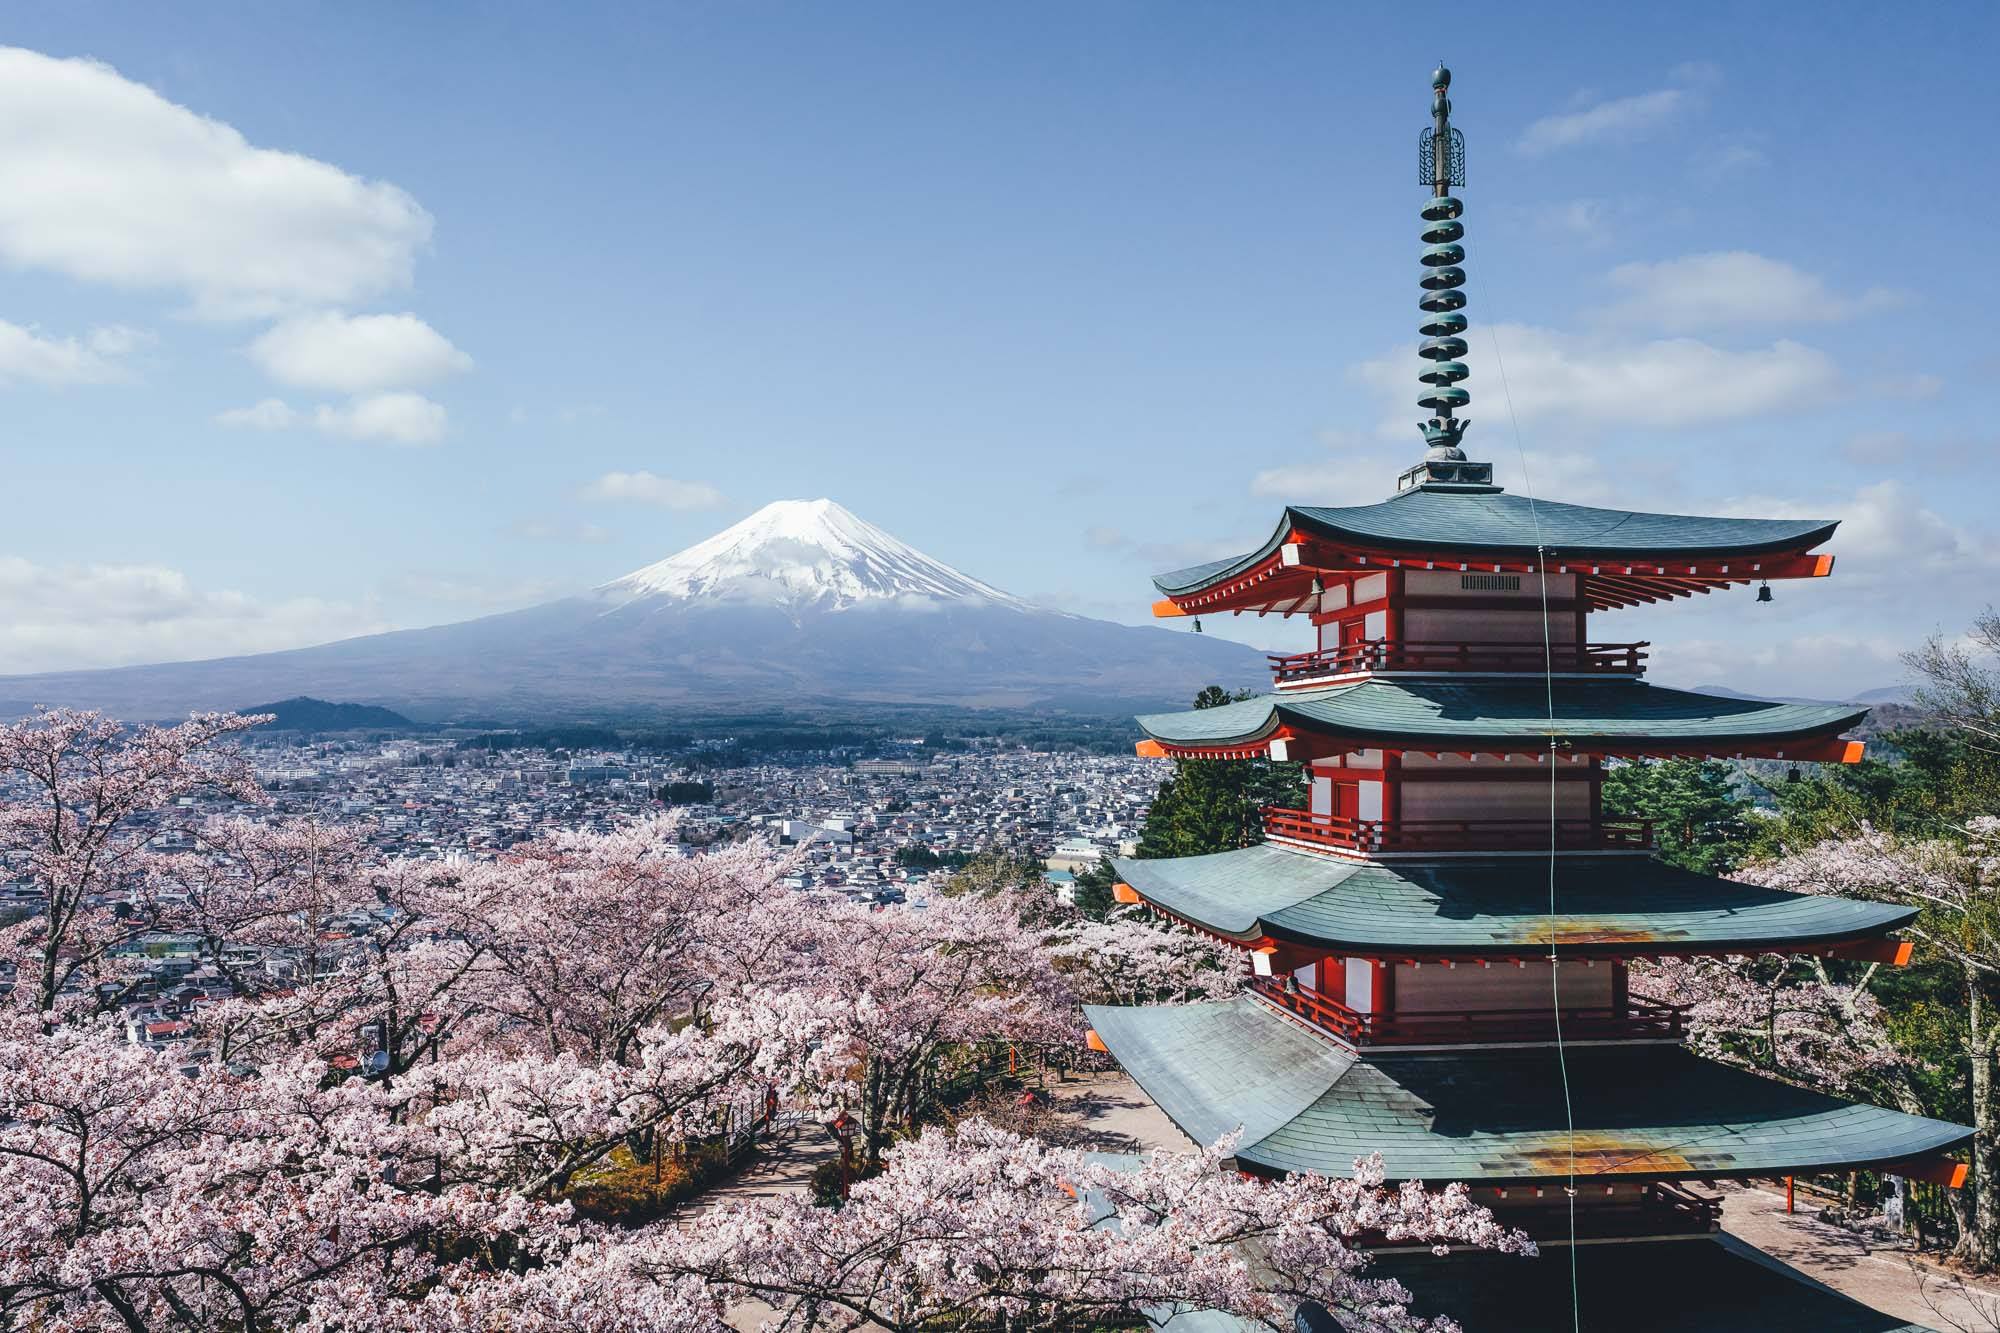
x=781, y=1166
x=1107, y=1113
x=1863, y=1268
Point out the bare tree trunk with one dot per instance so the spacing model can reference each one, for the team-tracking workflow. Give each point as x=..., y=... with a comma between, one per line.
x=1976, y=1243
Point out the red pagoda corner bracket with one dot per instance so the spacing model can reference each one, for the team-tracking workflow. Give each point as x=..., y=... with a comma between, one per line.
x=1094, y=1042
x=1124, y=893
x=1932, y=1169
x=1896, y=953
x=1150, y=749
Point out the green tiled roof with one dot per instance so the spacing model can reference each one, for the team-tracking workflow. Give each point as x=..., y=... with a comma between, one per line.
x=1608, y=904
x=1495, y=523
x=1663, y=1286
x=1488, y=1115
x=1443, y=711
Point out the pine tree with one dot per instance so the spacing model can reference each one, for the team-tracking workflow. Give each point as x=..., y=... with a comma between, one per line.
x=1215, y=805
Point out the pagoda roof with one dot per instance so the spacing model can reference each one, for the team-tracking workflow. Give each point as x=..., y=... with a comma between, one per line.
x=1717, y=1284
x=1488, y=1115
x=1608, y=905
x=1445, y=714
x=1495, y=524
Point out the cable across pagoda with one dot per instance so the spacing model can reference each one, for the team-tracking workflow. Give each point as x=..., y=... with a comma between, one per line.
x=1441, y=938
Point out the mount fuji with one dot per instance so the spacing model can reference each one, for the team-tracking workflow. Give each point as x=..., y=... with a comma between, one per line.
x=801, y=607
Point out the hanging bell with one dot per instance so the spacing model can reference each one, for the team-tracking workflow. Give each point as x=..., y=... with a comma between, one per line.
x=1764, y=593
x=1793, y=774
x=1197, y=625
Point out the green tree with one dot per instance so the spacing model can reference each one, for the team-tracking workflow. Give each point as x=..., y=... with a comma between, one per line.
x=1697, y=812
x=1214, y=805
x=1092, y=896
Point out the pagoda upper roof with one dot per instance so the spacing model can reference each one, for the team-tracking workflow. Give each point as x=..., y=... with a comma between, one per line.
x=1445, y=714
x=1716, y=1284
x=1607, y=905
x=1488, y=1115
x=1489, y=522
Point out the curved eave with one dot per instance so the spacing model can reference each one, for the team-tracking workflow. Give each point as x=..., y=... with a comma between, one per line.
x=1581, y=533
x=1680, y=554
x=1608, y=907
x=1490, y=1116
x=1489, y=716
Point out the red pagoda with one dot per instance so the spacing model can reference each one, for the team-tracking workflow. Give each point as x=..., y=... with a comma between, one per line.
x=1441, y=938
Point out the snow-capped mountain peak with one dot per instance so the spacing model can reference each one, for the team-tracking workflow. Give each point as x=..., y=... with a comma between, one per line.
x=799, y=554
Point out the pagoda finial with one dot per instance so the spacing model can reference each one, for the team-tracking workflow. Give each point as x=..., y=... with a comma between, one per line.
x=1442, y=165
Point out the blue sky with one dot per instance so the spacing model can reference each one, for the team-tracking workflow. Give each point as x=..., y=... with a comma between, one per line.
x=318, y=319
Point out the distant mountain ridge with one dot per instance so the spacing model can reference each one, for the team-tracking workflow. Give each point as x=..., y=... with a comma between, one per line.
x=803, y=606
x=1888, y=694
x=306, y=714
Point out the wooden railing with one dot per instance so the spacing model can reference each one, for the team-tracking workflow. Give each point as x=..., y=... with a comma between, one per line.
x=1605, y=659
x=1639, y=1018
x=1458, y=835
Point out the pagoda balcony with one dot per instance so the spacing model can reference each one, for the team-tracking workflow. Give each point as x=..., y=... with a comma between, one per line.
x=1380, y=655
x=1637, y=1019
x=1407, y=836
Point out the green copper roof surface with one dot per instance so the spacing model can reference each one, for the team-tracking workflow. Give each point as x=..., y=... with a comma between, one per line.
x=1491, y=1115
x=1607, y=903
x=1715, y=1285
x=1496, y=523
x=1420, y=710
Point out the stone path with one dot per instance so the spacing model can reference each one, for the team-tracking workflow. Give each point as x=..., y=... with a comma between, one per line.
x=1860, y=1267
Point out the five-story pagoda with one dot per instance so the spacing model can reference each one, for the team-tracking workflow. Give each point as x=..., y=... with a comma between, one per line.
x=1441, y=939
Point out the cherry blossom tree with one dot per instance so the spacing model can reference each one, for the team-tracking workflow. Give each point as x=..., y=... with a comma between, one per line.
x=77, y=823
x=914, y=987
x=977, y=1223
x=1785, y=1016
x=596, y=938
x=1130, y=960
x=144, y=1195
x=1956, y=889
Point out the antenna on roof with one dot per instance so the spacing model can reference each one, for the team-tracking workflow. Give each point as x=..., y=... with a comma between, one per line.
x=1441, y=166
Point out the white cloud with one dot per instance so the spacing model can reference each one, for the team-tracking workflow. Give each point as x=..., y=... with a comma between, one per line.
x=399, y=418
x=1596, y=119
x=107, y=181
x=268, y=414
x=356, y=353
x=1730, y=288
x=55, y=618
x=1887, y=536
x=647, y=488
x=1616, y=118
x=26, y=355
x=1588, y=380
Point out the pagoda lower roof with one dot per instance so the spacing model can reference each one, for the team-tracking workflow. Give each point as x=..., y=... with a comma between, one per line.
x=1604, y=905
x=1494, y=524
x=1487, y=713
x=1488, y=1115
x=1717, y=1285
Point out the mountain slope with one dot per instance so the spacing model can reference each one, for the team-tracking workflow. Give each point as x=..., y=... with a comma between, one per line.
x=802, y=606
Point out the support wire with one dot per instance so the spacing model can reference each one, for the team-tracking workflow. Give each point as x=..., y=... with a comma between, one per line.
x=1549, y=695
